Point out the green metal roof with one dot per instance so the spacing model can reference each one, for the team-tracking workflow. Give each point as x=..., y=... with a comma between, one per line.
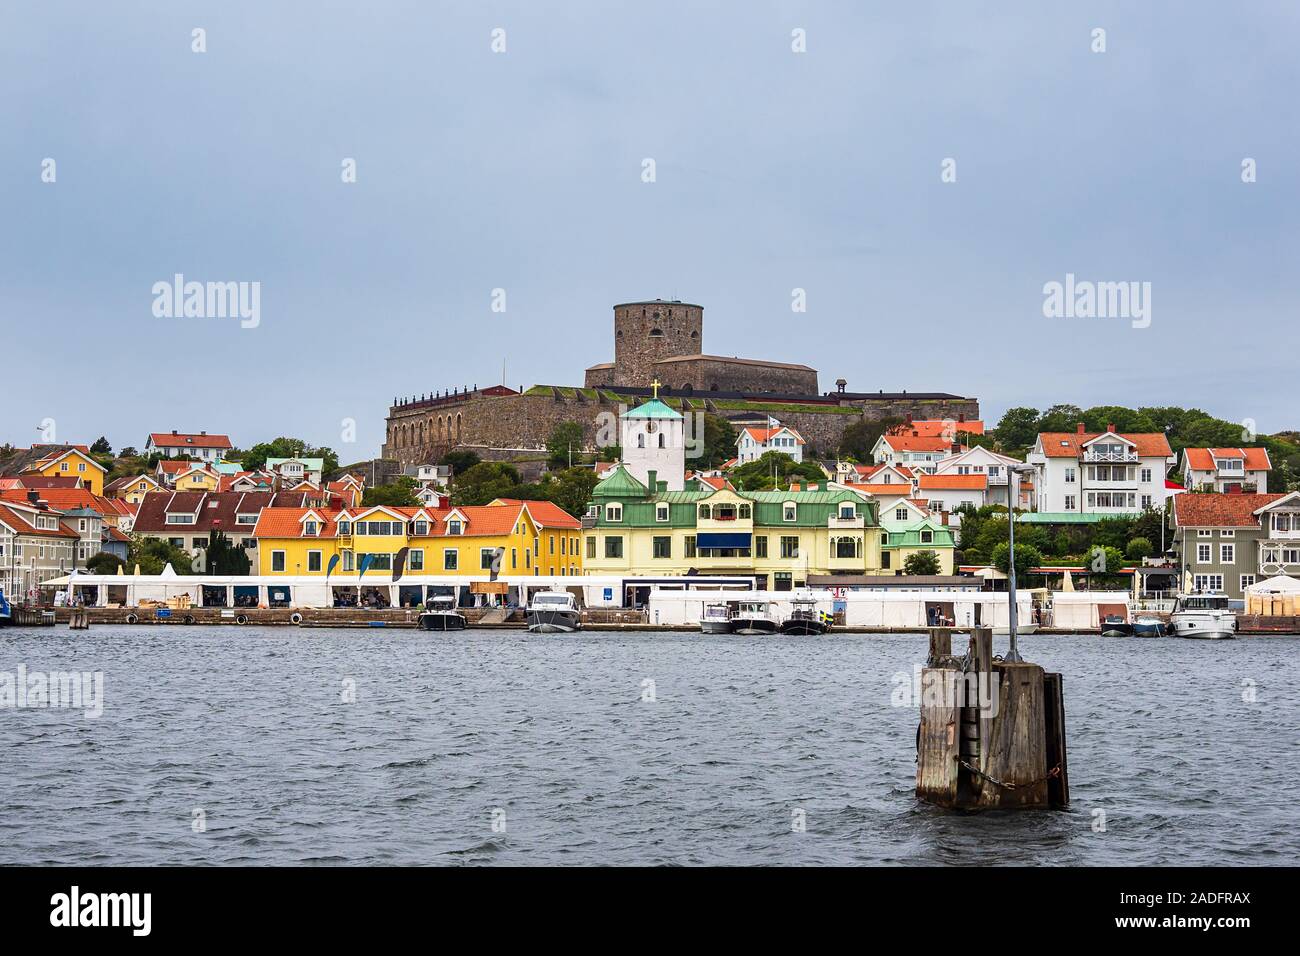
x=803, y=497
x=1070, y=517
x=619, y=483
x=652, y=409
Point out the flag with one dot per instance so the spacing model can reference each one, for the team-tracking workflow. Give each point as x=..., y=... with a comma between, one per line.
x=495, y=569
x=399, y=564
x=364, y=564
x=334, y=563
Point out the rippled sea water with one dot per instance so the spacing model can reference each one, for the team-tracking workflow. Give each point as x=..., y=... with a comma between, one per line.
x=550, y=735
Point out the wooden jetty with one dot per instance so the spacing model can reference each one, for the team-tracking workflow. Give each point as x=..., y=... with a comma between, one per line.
x=1009, y=753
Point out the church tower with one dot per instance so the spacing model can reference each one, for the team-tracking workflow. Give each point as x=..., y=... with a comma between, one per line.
x=653, y=437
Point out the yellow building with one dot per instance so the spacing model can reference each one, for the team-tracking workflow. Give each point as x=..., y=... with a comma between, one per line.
x=69, y=461
x=131, y=488
x=532, y=537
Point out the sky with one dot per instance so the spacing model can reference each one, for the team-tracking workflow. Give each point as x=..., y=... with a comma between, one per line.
x=524, y=171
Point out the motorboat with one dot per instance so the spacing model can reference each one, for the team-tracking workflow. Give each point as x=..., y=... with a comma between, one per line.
x=805, y=618
x=1206, y=617
x=1146, y=626
x=553, y=612
x=6, y=612
x=440, y=614
x=753, y=617
x=1114, y=625
x=716, y=619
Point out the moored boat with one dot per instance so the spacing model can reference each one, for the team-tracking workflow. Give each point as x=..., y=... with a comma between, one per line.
x=553, y=612
x=753, y=617
x=1148, y=627
x=716, y=619
x=440, y=614
x=6, y=612
x=1206, y=617
x=1114, y=625
x=805, y=618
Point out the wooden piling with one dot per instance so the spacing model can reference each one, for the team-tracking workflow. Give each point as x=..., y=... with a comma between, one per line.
x=1007, y=755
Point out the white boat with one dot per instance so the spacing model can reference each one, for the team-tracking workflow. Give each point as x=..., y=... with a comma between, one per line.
x=1203, y=616
x=1020, y=629
x=753, y=617
x=440, y=614
x=553, y=612
x=716, y=619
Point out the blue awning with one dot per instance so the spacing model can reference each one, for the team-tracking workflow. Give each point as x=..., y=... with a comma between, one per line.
x=723, y=539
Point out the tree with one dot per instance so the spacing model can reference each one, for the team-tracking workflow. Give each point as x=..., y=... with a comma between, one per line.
x=1060, y=418
x=1139, y=548
x=459, y=461
x=282, y=447
x=570, y=489
x=1018, y=428
x=128, y=452
x=153, y=554
x=400, y=494
x=101, y=447
x=222, y=557
x=757, y=475
x=719, y=442
x=1027, y=556
x=1104, y=562
x=485, y=482
x=859, y=438
x=921, y=562
x=104, y=562
x=564, y=443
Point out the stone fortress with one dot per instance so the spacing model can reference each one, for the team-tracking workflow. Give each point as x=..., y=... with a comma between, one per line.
x=660, y=340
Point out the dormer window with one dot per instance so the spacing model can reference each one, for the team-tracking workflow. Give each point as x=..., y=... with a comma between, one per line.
x=309, y=528
x=345, y=527
x=927, y=537
x=744, y=512
x=848, y=512
x=613, y=512
x=455, y=526
x=661, y=511
x=421, y=528
x=789, y=511
x=706, y=512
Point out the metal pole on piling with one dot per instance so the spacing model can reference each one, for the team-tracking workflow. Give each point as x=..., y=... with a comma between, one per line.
x=1013, y=493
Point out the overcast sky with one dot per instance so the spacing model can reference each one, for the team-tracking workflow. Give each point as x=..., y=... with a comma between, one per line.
x=522, y=170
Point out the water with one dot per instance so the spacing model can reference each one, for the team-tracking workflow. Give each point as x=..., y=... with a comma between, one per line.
x=247, y=725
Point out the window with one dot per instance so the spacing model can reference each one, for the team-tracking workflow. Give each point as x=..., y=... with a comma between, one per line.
x=884, y=559
x=690, y=546
x=847, y=547
x=345, y=527
x=514, y=558
x=180, y=519
x=198, y=543
x=1228, y=533
x=1146, y=474
x=744, y=512
x=1071, y=503
x=927, y=537
x=613, y=512
x=1203, y=554
x=613, y=546
x=450, y=559
x=421, y=528
x=485, y=558
x=277, y=560
x=760, y=546
x=789, y=511
x=591, y=547
x=1205, y=532
x=309, y=528
x=313, y=561
x=1069, y=476
x=1207, y=582
x=1146, y=502
x=662, y=546
x=348, y=562
x=415, y=559
x=454, y=526
x=900, y=514
x=661, y=511
x=789, y=546
x=705, y=512
x=847, y=512
x=252, y=519
x=380, y=562
x=1227, y=553
x=1247, y=580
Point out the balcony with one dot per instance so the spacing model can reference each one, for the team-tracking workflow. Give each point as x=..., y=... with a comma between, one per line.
x=1116, y=457
x=835, y=522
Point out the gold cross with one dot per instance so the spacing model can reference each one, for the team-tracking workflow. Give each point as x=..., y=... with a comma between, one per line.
x=655, y=385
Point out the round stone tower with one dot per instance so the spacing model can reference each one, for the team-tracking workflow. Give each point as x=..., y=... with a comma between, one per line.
x=646, y=332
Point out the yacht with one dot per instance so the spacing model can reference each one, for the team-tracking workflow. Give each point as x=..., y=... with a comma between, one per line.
x=1114, y=625
x=440, y=614
x=1203, y=616
x=805, y=618
x=553, y=612
x=716, y=619
x=753, y=617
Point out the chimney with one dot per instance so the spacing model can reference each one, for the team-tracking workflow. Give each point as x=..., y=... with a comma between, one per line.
x=956, y=447
x=909, y=418
x=202, y=433
x=1079, y=428
x=650, y=480
x=173, y=431
x=34, y=496
x=1110, y=427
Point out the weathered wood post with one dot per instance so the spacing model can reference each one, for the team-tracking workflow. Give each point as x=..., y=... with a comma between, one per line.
x=992, y=733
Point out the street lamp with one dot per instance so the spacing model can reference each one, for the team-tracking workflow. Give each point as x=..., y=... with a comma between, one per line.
x=1013, y=495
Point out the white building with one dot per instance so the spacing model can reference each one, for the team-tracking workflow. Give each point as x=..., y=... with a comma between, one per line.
x=753, y=443
x=949, y=492
x=653, y=437
x=200, y=446
x=921, y=453
x=1226, y=469
x=996, y=467
x=1108, y=473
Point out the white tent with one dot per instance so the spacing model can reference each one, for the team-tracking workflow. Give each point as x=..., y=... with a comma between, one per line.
x=1282, y=584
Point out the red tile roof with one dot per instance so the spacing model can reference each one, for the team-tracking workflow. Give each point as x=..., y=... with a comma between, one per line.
x=762, y=435
x=1070, y=444
x=1203, y=510
x=1202, y=459
x=911, y=442
x=183, y=440
x=954, y=482
x=64, y=499
x=211, y=510
x=940, y=428
x=15, y=520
